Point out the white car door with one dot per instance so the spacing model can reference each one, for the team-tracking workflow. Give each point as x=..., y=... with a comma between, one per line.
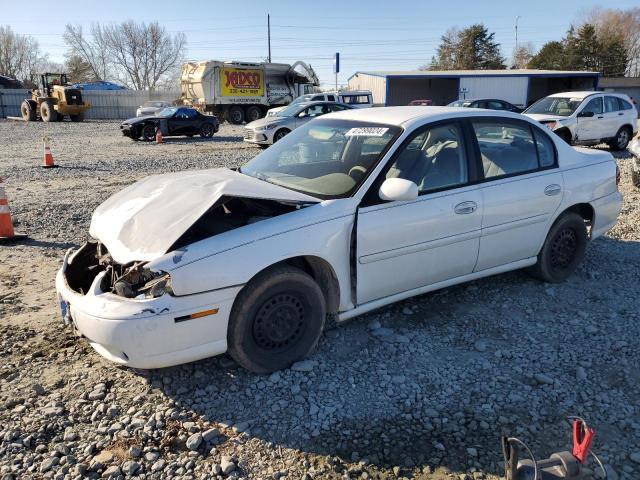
x=614, y=117
x=406, y=245
x=590, y=120
x=522, y=189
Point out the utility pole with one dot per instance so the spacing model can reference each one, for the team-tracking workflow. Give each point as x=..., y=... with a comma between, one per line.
x=269, y=36
x=517, y=18
x=515, y=56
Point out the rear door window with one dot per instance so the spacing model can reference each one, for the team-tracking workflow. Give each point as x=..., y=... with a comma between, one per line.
x=611, y=104
x=507, y=147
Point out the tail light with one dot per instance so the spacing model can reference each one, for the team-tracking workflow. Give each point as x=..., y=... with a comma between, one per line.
x=617, y=175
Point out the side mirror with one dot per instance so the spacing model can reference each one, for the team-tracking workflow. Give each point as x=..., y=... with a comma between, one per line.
x=586, y=114
x=398, y=190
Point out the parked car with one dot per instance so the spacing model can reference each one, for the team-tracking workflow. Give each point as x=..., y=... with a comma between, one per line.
x=421, y=103
x=310, y=97
x=588, y=118
x=171, y=121
x=268, y=130
x=354, y=98
x=152, y=107
x=489, y=103
x=350, y=212
x=634, y=148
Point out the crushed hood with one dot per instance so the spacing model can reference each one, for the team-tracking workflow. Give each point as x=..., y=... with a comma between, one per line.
x=141, y=222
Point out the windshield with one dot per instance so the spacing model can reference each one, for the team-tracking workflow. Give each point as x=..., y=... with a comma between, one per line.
x=560, y=106
x=459, y=103
x=326, y=158
x=168, y=112
x=289, y=111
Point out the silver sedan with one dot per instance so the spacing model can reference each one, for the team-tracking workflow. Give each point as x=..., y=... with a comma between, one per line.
x=269, y=130
x=152, y=107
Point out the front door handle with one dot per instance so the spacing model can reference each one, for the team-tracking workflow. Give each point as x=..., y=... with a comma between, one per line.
x=465, y=208
x=621, y=113
x=553, y=189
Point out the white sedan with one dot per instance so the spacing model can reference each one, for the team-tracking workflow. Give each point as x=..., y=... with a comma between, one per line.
x=348, y=213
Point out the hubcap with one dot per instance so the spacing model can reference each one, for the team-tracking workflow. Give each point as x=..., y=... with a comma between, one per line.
x=563, y=249
x=279, y=323
x=623, y=137
x=206, y=130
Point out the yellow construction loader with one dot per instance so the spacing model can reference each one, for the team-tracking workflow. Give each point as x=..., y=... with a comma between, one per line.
x=52, y=99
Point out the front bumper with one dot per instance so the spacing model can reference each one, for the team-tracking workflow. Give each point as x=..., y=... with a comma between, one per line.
x=127, y=130
x=149, y=333
x=260, y=138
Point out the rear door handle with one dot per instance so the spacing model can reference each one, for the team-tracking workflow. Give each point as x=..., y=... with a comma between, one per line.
x=621, y=113
x=553, y=189
x=465, y=208
x=600, y=117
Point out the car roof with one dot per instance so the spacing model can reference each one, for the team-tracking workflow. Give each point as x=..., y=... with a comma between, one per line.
x=581, y=95
x=403, y=116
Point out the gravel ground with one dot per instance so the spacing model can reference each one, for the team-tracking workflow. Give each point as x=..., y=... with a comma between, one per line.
x=421, y=389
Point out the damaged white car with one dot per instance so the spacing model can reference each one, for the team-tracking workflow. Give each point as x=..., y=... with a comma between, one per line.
x=351, y=212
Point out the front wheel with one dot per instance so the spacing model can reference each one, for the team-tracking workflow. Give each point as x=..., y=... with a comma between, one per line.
x=47, y=112
x=280, y=134
x=28, y=111
x=276, y=320
x=207, y=130
x=563, y=249
x=149, y=133
x=621, y=140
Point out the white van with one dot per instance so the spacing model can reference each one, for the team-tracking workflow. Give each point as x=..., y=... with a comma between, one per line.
x=353, y=98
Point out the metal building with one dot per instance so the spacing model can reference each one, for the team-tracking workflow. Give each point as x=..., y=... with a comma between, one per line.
x=520, y=87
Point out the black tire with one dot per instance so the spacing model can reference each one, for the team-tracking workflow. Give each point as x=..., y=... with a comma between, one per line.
x=77, y=118
x=253, y=113
x=565, y=135
x=28, y=110
x=236, y=115
x=635, y=177
x=148, y=132
x=280, y=134
x=47, y=112
x=621, y=140
x=276, y=320
x=207, y=130
x=563, y=249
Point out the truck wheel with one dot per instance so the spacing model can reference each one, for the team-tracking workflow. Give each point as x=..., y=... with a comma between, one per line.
x=253, y=113
x=77, y=118
x=236, y=115
x=28, y=111
x=47, y=112
x=276, y=320
x=563, y=249
x=621, y=140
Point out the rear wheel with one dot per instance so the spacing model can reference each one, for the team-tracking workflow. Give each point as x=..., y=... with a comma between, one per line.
x=77, y=118
x=149, y=132
x=276, y=320
x=563, y=249
x=207, y=130
x=621, y=140
x=236, y=115
x=47, y=112
x=28, y=110
x=253, y=113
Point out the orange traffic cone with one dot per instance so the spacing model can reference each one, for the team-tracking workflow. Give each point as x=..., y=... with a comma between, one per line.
x=158, y=135
x=6, y=225
x=47, y=161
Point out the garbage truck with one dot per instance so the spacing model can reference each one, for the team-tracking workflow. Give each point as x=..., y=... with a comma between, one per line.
x=243, y=91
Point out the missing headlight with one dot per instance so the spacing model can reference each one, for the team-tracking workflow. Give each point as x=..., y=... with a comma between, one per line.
x=140, y=282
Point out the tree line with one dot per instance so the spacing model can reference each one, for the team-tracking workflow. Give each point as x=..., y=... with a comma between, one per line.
x=142, y=56
x=605, y=40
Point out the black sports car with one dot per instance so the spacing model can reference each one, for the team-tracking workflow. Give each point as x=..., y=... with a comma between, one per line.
x=172, y=121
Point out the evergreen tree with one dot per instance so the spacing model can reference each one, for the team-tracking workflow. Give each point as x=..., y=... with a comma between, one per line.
x=473, y=48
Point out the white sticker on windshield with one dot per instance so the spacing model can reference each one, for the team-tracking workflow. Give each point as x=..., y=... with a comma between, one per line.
x=366, y=131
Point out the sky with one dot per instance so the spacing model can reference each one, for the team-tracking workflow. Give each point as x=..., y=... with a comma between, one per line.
x=370, y=35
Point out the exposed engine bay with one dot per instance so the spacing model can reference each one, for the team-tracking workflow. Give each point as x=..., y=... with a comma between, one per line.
x=134, y=280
